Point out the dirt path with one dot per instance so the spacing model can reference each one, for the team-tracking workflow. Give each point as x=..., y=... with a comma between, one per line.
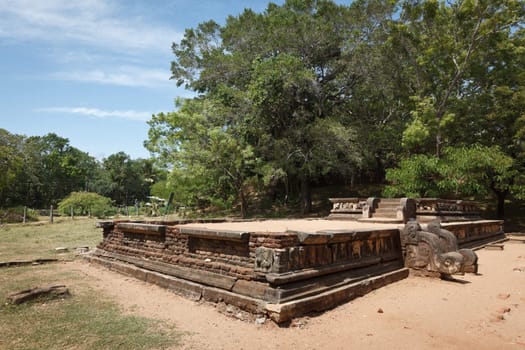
x=485, y=311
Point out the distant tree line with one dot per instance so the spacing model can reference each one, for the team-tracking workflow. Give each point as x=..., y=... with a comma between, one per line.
x=39, y=171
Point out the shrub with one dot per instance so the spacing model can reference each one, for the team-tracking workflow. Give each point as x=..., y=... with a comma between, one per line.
x=16, y=214
x=84, y=203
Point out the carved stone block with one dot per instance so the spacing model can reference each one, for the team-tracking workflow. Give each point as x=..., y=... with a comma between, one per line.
x=436, y=250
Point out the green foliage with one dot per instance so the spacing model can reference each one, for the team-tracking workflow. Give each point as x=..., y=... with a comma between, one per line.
x=84, y=203
x=11, y=162
x=417, y=176
x=478, y=170
x=310, y=93
x=16, y=215
x=211, y=162
x=280, y=83
x=128, y=180
x=456, y=51
x=475, y=171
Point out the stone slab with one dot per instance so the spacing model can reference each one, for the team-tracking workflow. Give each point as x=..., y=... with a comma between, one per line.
x=284, y=312
x=146, y=229
x=195, y=275
x=227, y=235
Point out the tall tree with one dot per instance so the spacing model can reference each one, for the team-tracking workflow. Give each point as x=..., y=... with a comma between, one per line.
x=53, y=168
x=211, y=162
x=11, y=165
x=128, y=179
x=443, y=42
x=283, y=74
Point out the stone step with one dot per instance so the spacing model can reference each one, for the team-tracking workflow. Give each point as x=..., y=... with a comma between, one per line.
x=385, y=213
x=388, y=205
x=381, y=220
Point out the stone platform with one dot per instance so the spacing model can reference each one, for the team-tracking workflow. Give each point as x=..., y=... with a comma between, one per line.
x=277, y=268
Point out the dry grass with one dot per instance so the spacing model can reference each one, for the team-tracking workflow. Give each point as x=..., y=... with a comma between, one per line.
x=39, y=240
x=84, y=320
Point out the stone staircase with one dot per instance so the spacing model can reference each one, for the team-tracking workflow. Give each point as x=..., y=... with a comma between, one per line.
x=386, y=210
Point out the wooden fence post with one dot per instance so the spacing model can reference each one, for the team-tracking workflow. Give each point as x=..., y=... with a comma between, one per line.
x=51, y=214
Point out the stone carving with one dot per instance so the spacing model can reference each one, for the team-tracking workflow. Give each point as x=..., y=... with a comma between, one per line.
x=370, y=207
x=435, y=251
x=264, y=259
x=408, y=208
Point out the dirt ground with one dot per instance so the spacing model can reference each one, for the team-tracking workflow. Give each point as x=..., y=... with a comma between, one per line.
x=484, y=311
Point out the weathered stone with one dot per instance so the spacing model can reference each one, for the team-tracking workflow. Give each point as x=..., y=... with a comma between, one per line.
x=146, y=229
x=217, y=295
x=214, y=234
x=300, y=271
x=435, y=250
x=190, y=290
x=284, y=312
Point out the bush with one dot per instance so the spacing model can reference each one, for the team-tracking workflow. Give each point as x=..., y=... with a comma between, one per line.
x=417, y=176
x=85, y=203
x=16, y=214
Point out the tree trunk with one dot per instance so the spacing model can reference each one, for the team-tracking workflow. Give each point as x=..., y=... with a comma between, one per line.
x=244, y=204
x=306, y=196
x=501, y=195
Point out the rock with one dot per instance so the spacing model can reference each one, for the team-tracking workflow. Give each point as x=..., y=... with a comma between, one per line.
x=82, y=250
x=260, y=320
x=61, y=249
x=230, y=309
x=503, y=296
x=380, y=311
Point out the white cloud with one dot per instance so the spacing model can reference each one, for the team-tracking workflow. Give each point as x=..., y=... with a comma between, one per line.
x=123, y=76
x=99, y=113
x=100, y=23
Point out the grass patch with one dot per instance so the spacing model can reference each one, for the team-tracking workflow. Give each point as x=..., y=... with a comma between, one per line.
x=39, y=240
x=85, y=320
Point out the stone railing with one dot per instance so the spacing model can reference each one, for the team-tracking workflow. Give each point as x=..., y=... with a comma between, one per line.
x=428, y=209
x=347, y=208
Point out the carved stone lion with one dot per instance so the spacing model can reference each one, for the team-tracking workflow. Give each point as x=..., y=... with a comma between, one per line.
x=436, y=250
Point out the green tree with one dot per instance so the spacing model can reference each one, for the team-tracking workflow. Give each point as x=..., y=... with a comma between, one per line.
x=128, y=179
x=281, y=74
x=481, y=170
x=417, y=176
x=53, y=169
x=11, y=166
x=211, y=163
x=446, y=45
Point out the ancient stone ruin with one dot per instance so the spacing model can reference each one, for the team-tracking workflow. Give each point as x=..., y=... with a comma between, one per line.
x=435, y=251
x=282, y=269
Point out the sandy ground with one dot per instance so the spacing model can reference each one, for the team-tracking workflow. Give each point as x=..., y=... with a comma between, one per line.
x=485, y=311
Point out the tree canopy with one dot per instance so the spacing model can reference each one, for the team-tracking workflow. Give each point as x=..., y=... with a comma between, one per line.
x=310, y=91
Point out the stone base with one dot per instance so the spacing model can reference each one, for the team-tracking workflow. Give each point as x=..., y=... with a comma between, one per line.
x=291, y=300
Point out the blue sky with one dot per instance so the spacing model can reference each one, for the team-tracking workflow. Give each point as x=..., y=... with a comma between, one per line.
x=94, y=71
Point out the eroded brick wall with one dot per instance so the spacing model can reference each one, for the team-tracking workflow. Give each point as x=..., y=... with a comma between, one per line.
x=220, y=256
